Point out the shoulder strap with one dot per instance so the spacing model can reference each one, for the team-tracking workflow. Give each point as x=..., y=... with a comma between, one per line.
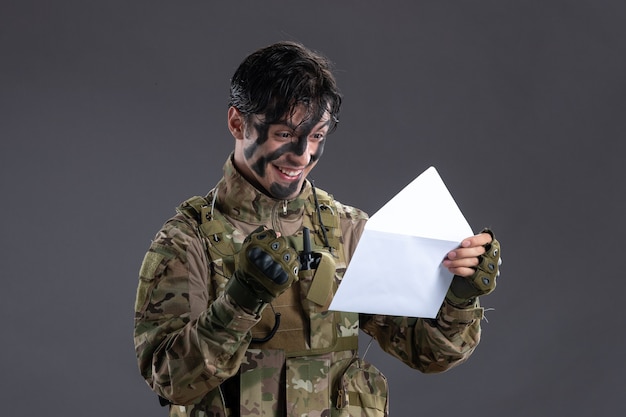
x=323, y=219
x=210, y=221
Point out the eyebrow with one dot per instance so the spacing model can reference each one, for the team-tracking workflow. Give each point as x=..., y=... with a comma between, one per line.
x=295, y=127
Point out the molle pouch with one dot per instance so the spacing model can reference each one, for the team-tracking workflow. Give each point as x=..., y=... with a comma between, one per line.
x=328, y=330
x=316, y=290
x=308, y=391
x=362, y=391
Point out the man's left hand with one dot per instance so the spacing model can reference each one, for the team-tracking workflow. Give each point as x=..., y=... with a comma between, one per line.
x=464, y=260
x=475, y=265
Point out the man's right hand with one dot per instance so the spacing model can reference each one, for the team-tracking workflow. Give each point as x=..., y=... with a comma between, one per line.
x=266, y=267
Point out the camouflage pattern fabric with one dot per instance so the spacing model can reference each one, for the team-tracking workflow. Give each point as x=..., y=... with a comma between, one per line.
x=193, y=343
x=362, y=391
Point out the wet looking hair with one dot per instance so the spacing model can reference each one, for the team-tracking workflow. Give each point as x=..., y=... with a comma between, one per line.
x=275, y=80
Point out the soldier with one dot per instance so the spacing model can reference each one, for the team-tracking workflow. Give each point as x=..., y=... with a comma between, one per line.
x=231, y=316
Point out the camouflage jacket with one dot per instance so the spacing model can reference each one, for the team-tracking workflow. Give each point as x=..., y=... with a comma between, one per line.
x=198, y=351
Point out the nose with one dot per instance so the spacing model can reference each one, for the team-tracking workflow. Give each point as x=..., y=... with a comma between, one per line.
x=301, y=151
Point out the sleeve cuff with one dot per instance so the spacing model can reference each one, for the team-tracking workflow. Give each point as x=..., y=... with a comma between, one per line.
x=465, y=314
x=224, y=312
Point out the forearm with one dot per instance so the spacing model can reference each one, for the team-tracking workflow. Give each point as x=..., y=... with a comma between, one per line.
x=429, y=345
x=183, y=360
x=188, y=339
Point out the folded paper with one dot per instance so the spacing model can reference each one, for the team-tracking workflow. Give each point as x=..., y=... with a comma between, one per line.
x=396, y=268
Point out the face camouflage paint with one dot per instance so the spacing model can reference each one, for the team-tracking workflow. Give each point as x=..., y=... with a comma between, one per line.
x=277, y=157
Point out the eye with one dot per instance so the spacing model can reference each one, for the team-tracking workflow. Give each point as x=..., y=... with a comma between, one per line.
x=284, y=135
x=318, y=136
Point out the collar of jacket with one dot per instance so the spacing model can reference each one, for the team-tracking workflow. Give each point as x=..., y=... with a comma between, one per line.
x=240, y=200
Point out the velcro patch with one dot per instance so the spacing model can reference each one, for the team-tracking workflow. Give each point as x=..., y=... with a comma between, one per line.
x=150, y=263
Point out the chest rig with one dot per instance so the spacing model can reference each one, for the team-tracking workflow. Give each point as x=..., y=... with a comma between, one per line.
x=312, y=346
x=307, y=327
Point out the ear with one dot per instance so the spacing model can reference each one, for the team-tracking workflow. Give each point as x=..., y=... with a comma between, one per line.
x=236, y=123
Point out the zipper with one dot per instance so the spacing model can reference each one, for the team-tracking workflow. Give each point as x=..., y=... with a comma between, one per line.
x=280, y=207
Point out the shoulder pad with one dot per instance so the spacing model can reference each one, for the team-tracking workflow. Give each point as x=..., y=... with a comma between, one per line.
x=192, y=207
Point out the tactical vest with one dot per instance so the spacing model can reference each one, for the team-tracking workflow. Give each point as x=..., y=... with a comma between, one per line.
x=310, y=363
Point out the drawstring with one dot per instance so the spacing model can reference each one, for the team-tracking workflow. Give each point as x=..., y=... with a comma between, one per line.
x=215, y=236
x=213, y=201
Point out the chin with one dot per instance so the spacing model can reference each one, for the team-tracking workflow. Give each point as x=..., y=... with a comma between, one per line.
x=284, y=192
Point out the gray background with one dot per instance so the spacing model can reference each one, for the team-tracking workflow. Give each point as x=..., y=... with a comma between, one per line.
x=112, y=112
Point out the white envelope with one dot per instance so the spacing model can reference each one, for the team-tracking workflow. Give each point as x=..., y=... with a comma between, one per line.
x=396, y=268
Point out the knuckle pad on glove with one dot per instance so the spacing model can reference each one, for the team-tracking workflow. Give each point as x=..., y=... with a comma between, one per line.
x=483, y=281
x=485, y=277
x=269, y=261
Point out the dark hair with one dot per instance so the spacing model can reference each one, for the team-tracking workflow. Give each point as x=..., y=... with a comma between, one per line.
x=276, y=79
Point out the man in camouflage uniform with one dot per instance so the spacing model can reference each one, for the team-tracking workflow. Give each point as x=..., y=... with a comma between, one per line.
x=231, y=317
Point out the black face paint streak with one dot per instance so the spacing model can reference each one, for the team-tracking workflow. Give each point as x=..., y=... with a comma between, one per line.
x=281, y=192
x=300, y=145
x=318, y=153
x=259, y=165
x=262, y=129
x=297, y=147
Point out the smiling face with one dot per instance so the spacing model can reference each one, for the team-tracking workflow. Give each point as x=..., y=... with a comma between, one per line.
x=276, y=158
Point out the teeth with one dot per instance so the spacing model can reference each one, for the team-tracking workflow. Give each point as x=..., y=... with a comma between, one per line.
x=289, y=173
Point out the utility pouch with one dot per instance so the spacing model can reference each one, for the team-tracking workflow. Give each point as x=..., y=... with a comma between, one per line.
x=317, y=285
x=307, y=386
x=362, y=390
x=328, y=330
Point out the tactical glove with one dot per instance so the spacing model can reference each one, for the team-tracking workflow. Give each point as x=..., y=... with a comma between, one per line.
x=267, y=266
x=464, y=290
